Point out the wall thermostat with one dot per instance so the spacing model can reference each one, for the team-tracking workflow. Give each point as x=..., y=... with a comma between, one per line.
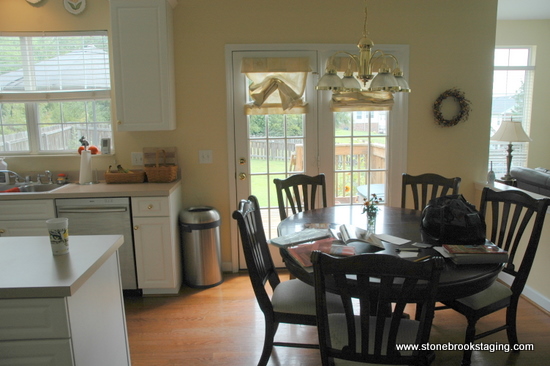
x=106, y=146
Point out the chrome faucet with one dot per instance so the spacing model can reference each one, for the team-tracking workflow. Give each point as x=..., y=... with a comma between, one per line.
x=18, y=178
x=47, y=175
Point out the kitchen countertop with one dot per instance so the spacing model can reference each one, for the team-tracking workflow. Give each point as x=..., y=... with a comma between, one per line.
x=102, y=189
x=29, y=269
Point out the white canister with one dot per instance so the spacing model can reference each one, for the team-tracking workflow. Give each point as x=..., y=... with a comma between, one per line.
x=4, y=177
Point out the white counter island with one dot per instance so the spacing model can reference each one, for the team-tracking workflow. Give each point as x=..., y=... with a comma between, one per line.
x=62, y=310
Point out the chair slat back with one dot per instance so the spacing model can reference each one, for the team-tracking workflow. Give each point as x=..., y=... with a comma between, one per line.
x=300, y=191
x=426, y=187
x=512, y=213
x=382, y=282
x=255, y=249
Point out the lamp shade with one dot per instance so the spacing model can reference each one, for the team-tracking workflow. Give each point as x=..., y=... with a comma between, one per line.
x=511, y=131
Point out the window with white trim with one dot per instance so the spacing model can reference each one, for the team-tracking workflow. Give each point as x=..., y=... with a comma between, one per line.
x=514, y=71
x=54, y=89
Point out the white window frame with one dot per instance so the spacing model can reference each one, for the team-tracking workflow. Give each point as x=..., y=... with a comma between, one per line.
x=32, y=99
x=497, y=153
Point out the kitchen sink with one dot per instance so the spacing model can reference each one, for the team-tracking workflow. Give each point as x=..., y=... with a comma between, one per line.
x=34, y=188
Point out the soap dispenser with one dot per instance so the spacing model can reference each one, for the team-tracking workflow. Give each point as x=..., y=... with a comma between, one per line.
x=4, y=177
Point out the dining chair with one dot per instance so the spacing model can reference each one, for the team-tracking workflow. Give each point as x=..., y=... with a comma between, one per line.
x=369, y=334
x=292, y=301
x=511, y=214
x=425, y=187
x=301, y=192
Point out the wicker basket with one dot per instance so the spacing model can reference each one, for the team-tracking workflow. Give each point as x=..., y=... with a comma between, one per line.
x=135, y=176
x=161, y=172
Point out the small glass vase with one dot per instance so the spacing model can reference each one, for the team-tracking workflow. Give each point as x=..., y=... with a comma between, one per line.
x=371, y=222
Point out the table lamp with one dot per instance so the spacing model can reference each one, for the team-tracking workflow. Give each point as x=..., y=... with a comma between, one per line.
x=510, y=131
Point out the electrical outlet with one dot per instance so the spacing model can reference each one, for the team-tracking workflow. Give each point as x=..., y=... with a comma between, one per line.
x=137, y=158
x=205, y=156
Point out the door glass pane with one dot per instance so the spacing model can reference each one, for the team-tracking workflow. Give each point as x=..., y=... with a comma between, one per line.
x=276, y=144
x=360, y=159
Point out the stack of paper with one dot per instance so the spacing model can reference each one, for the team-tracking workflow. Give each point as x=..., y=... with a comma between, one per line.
x=303, y=236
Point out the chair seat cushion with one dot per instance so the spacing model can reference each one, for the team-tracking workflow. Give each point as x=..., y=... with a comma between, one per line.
x=297, y=297
x=496, y=292
x=339, y=336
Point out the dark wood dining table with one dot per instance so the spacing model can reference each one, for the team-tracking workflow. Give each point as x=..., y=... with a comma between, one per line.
x=456, y=281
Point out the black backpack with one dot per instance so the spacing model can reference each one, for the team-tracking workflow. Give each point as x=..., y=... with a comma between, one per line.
x=452, y=220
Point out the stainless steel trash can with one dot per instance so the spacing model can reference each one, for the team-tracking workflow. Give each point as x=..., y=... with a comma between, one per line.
x=200, y=239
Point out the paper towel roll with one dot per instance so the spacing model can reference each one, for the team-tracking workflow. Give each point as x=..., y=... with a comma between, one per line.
x=85, y=167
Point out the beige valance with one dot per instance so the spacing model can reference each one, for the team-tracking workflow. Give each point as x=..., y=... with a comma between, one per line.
x=362, y=101
x=278, y=84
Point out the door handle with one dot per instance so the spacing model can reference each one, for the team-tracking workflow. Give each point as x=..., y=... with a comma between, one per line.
x=242, y=176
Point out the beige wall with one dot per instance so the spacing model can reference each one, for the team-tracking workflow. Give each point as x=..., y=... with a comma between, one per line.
x=534, y=32
x=451, y=45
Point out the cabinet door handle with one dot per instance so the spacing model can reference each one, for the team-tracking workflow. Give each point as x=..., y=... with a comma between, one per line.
x=136, y=227
x=2, y=231
x=149, y=207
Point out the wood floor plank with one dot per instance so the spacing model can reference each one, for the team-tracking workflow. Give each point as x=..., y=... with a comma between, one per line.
x=224, y=326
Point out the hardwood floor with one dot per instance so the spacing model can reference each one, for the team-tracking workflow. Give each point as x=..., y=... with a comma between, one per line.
x=224, y=326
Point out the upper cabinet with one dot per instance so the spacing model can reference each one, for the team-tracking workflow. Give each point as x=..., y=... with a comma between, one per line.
x=143, y=60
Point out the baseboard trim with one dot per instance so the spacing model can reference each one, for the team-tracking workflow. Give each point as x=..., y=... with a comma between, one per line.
x=533, y=296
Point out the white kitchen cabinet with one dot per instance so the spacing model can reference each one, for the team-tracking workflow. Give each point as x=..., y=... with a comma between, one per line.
x=157, y=244
x=25, y=217
x=63, y=310
x=143, y=60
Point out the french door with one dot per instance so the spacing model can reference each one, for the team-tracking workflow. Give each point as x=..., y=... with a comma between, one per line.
x=350, y=148
x=269, y=146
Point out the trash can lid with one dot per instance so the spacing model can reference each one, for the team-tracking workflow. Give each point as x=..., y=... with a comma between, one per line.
x=199, y=215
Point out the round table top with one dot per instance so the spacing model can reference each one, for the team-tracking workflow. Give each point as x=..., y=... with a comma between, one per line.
x=456, y=281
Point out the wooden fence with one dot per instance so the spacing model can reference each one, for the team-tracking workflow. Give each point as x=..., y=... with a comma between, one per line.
x=53, y=138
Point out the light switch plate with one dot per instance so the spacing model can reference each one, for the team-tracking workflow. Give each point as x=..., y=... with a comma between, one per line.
x=205, y=156
x=137, y=158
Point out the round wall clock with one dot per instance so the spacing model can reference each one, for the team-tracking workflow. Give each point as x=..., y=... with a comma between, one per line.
x=75, y=6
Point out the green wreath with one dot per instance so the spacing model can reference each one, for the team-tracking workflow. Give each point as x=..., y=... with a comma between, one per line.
x=463, y=103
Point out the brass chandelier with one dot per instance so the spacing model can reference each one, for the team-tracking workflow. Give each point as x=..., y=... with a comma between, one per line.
x=388, y=79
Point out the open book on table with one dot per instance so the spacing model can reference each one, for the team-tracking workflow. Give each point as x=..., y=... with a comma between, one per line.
x=350, y=233
x=302, y=252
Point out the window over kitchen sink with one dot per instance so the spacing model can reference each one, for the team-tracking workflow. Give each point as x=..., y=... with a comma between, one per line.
x=54, y=88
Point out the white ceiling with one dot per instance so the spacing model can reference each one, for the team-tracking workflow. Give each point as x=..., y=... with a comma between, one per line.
x=523, y=9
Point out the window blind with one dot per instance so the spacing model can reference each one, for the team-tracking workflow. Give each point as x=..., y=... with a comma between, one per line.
x=52, y=66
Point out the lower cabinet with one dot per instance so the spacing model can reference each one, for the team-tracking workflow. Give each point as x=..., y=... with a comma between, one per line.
x=156, y=243
x=87, y=328
x=25, y=217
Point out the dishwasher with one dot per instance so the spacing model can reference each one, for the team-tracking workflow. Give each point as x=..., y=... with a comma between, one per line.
x=104, y=216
